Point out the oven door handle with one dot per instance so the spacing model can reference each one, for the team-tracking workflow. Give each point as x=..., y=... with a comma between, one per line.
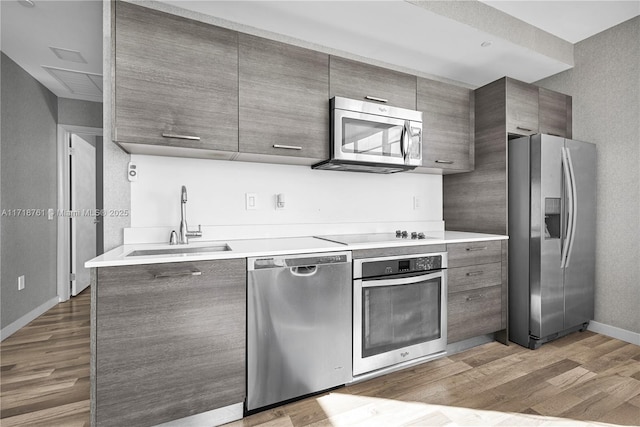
x=367, y=283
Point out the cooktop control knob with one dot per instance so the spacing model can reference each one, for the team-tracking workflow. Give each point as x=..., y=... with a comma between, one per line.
x=405, y=234
x=398, y=233
x=414, y=235
x=421, y=236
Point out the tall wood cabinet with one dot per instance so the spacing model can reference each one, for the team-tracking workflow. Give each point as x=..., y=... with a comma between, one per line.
x=176, y=84
x=168, y=341
x=507, y=108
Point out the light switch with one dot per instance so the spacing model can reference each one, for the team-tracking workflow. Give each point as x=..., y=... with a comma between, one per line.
x=251, y=201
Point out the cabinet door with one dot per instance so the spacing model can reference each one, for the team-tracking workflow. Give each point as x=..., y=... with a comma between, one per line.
x=169, y=340
x=522, y=108
x=284, y=99
x=176, y=81
x=553, y=112
x=446, y=125
x=356, y=80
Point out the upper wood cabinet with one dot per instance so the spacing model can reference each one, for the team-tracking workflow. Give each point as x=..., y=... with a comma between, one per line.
x=176, y=84
x=554, y=113
x=283, y=99
x=447, y=126
x=522, y=107
x=356, y=80
x=168, y=341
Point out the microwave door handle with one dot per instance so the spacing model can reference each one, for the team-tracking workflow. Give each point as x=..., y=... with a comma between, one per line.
x=406, y=138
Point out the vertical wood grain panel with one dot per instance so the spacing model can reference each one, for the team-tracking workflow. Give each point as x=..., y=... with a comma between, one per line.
x=476, y=201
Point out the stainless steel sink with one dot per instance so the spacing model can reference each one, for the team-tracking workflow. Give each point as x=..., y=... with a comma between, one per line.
x=181, y=250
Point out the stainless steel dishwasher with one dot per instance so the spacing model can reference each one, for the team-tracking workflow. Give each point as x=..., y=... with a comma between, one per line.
x=298, y=326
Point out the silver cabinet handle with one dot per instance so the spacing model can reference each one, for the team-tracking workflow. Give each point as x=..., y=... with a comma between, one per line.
x=176, y=136
x=177, y=274
x=476, y=249
x=446, y=162
x=475, y=297
x=287, y=147
x=524, y=129
x=475, y=273
x=375, y=98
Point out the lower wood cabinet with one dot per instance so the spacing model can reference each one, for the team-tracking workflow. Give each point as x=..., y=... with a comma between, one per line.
x=474, y=312
x=477, y=289
x=168, y=341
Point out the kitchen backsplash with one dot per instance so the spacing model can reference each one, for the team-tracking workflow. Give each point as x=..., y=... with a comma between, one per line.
x=315, y=202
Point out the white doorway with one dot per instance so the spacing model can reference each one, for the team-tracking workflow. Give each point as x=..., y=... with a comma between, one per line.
x=85, y=214
x=79, y=206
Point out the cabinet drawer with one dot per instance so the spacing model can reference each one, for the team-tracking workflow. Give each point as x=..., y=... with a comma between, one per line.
x=474, y=253
x=474, y=277
x=472, y=313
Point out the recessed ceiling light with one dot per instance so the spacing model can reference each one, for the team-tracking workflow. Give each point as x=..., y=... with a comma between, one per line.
x=27, y=3
x=485, y=44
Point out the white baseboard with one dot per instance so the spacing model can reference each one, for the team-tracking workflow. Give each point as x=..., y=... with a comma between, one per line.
x=12, y=328
x=215, y=417
x=614, y=332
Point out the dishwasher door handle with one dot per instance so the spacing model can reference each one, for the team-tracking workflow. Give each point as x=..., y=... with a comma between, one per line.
x=304, y=271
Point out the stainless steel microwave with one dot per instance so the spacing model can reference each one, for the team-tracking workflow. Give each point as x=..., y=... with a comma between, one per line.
x=373, y=137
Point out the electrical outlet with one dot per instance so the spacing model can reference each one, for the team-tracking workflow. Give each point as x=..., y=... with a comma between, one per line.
x=416, y=202
x=21, y=283
x=251, y=201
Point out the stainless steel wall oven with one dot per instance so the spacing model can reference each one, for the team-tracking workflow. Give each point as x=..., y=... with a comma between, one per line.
x=399, y=312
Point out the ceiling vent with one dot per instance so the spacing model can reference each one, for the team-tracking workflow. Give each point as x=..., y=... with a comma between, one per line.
x=78, y=82
x=68, y=55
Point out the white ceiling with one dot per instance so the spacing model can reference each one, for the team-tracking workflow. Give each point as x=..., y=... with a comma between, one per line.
x=572, y=21
x=391, y=31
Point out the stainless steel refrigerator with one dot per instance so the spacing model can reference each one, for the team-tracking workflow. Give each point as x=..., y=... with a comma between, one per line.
x=552, y=220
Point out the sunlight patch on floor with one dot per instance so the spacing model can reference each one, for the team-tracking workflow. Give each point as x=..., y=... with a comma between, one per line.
x=375, y=411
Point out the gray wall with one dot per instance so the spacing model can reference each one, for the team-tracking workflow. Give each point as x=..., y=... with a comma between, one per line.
x=605, y=85
x=28, y=181
x=79, y=113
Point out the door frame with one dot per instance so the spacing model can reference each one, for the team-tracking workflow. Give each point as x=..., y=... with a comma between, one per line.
x=63, y=185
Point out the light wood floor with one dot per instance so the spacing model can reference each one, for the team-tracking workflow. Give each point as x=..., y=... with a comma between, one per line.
x=45, y=369
x=582, y=379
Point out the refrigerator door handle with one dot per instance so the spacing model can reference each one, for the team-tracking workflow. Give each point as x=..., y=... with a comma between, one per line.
x=574, y=210
x=567, y=182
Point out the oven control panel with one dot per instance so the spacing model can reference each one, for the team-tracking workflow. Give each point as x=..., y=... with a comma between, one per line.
x=395, y=265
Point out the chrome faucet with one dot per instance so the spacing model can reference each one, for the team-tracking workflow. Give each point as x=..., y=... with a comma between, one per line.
x=185, y=233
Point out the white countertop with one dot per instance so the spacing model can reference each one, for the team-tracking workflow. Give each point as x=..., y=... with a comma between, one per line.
x=268, y=247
